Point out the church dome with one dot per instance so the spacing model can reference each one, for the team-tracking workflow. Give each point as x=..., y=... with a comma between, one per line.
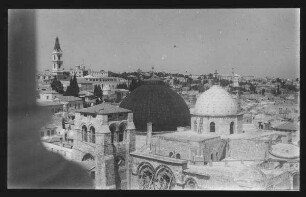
x=155, y=102
x=216, y=101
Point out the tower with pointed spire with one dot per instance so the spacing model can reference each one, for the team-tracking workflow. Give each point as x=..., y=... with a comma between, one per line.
x=57, y=63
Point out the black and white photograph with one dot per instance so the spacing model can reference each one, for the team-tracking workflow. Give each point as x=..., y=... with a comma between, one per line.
x=154, y=99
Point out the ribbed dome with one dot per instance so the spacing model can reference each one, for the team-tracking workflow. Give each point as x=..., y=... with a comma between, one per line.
x=156, y=103
x=216, y=101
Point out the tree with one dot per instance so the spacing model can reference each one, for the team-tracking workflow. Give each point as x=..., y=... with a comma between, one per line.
x=95, y=91
x=69, y=89
x=263, y=91
x=252, y=88
x=224, y=82
x=73, y=88
x=57, y=85
x=134, y=84
x=99, y=92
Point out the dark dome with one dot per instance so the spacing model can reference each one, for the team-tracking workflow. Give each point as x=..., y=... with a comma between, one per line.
x=154, y=102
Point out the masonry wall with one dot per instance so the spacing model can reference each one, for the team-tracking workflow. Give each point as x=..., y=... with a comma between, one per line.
x=163, y=147
x=248, y=149
x=222, y=124
x=68, y=153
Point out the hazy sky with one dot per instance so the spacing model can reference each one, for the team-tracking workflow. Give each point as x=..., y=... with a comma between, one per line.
x=260, y=42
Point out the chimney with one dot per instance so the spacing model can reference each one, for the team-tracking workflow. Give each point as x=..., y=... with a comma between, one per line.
x=149, y=134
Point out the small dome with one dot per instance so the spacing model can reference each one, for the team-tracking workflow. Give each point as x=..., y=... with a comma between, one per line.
x=216, y=101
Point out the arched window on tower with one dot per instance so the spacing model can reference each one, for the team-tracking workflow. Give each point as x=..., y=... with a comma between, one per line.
x=232, y=128
x=84, y=133
x=212, y=127
x=92, y=134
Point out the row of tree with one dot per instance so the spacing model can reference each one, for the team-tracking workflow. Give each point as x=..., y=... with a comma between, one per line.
x=72, y=90
x=98, y=93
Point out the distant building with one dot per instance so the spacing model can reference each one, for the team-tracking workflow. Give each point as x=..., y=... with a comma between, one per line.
x=79, y=71
x=98, y=74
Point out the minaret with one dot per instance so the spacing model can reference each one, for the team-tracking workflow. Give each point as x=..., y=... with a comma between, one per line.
x=236, y=89
x=57, y=53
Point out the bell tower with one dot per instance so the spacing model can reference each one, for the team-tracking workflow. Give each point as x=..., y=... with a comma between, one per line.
x=57, y=63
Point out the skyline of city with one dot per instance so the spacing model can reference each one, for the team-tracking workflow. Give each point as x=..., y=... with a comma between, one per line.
x=183, y=41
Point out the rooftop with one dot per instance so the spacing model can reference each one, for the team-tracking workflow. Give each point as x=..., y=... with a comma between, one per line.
x=288, y=126
x=102, y=109
x=189, y=136
x=48, y=91
x=69, y=98
x=47, y=103
x=83, y=81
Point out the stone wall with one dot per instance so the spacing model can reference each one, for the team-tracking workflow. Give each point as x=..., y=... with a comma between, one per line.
x=248, y=149
x=68, y=153
x=213, y=181
x=176, y=169
x=164, y=147
x=222, y=124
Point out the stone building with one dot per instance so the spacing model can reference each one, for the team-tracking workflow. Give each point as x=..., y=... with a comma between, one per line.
x=216, y=158
x=103, y=136
x=216, y=112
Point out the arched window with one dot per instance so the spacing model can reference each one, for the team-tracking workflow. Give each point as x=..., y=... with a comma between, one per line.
x=212, y=127
x=296, y=181
x=170, y=154
x=232, y=128
x=112, y=128
x=178, y=156
x=92, y=135
x=195, y=125
x=84, y=133
x=121, y=132
x=212, y=157
x=88, y=157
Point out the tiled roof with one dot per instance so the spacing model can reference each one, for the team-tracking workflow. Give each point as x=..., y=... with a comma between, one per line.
x=103, y=109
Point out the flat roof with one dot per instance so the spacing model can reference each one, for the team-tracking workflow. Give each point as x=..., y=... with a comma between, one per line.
x=103, y=108
x=48, y=103
x=188, y=136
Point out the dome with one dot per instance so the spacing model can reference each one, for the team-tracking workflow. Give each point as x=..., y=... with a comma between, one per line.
x=155, y=102
x=216, y=101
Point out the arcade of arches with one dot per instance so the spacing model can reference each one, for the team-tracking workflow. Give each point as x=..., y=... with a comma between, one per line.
x=88, y=136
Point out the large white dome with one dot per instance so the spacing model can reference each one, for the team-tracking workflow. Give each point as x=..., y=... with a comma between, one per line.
x=216, y=101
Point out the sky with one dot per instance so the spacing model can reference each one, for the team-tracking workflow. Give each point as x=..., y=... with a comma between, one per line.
x=258, y=42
